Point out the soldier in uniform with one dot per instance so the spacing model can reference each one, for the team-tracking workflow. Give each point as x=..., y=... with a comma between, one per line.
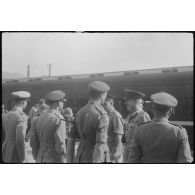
x=92, y=123
x=134, y=103
x=160, y=141
x=115, y=131
x=15, y=124
x=48, y=131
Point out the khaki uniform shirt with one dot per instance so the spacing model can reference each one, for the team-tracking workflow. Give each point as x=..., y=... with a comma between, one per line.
x=160, y=141
x=48, y=138
x=115, y=127
x=92, y=125
x=12, y=120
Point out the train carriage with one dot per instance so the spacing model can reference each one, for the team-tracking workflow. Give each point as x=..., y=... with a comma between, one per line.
x=177, y=81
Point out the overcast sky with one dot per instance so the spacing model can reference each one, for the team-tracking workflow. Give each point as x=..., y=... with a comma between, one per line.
x=78, y=53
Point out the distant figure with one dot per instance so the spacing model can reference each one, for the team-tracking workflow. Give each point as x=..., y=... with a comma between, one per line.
x=15, y=124
x=68, y=116
x=134, y=103
x=92, y=123
x=48, y=131
x=115, y=130
x=4, y=111
x=160, y=141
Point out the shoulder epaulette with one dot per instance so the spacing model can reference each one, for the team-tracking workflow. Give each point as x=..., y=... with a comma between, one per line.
x=176, y=125
x=143, y=123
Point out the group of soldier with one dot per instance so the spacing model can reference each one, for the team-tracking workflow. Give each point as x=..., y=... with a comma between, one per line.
x=98, y=126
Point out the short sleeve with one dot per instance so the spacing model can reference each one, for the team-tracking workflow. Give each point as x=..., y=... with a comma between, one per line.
x=143, y=118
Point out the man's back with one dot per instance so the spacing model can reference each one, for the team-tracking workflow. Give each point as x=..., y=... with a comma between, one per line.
x=87, y=121
x=160, y=142
x=10, y=122
x=45, y=140
x=92, y=125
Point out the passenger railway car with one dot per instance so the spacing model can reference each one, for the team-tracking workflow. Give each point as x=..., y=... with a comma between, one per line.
x=177, y=81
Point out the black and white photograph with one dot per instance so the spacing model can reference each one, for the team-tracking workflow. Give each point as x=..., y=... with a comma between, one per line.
x=90, y=97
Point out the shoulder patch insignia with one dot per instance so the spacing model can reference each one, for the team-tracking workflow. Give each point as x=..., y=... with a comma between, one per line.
x=176, y=125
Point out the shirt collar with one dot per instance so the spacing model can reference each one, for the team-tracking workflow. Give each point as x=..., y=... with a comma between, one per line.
x=164, y=119
x=16, y=108
x=136, y=112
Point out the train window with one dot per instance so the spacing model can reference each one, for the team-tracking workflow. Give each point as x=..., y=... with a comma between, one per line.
x=174, y=70
x=100, y=75
x=127, y=73
x=68, y=77
x=166, y=71
x=38, y=79
x=92, y=75
x=14, y=81
x=135, y=73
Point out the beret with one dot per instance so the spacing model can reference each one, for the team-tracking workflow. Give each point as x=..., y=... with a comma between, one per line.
x=55, y=96
x=21, y=95
x=131, y=94
x=98, y=86
x=164, y=98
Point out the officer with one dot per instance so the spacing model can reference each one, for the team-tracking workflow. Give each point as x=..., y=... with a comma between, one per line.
x=92, y=123
x=115, y=130
x=48, y=131
x=160, y=141
x=134, y=103
x=15, y=124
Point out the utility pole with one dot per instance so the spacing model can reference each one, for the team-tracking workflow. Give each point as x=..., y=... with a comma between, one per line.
x=49, y=68
x=28, y=71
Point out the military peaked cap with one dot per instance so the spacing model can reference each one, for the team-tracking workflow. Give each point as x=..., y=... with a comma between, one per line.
x=21, y=95
x=164, y=98
x=131, y=94
x=55, y=96
x=98, y=86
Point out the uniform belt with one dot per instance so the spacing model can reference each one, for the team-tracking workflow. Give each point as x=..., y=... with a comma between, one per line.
x=87, y=141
